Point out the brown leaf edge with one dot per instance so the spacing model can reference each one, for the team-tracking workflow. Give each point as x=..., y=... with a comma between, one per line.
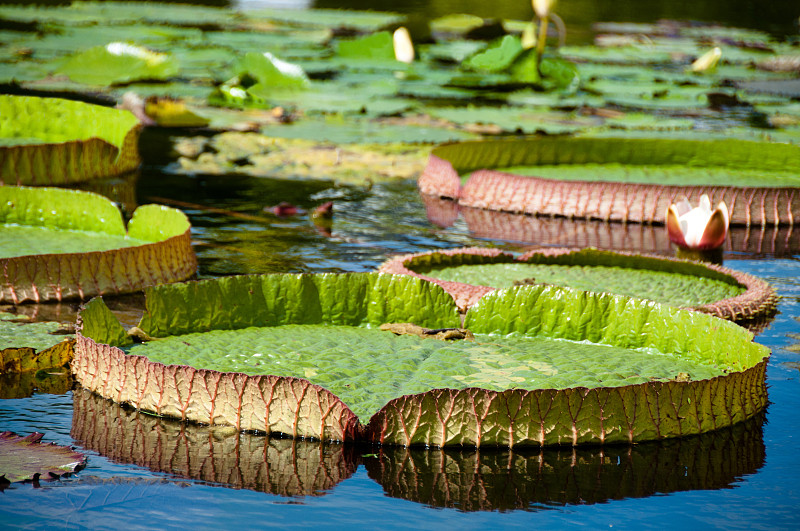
x=52, y=164
x=640, y=203
x=505, y=480
x=286, y=467
x=58, y=277
x=34, y=440
x=486, y=479
x=441, y=417
x=269, y=404
x=574, y=416
x=759, y=299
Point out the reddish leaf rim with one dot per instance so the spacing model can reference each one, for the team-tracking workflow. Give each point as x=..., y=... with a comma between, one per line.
x=641, y=203
x=758, y=300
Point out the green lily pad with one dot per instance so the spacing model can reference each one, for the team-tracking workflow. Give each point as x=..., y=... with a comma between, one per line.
x=27, y=347
x=378, y=47
x=465, y=479
x=271, y=73
x=115, y=13
x=470, y=273
x=53, y=141
x=15, y=333
x=304, y=336
x=26, y=458
x=498, y=56
x=515, y=118
x=455, y=51
x=79, y=246
x=118, y=62
x=624, y=178
x=362, y=131
x=634, y=120
x=457, y=24
x=70, y=41
x=363, y=21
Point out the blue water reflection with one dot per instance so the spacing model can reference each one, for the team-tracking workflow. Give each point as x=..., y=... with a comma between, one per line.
x=733, y=480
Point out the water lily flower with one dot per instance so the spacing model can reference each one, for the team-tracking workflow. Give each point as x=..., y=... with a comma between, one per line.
x=543, y=7
x=699, y=227
x=403, y=47
x=708, y=61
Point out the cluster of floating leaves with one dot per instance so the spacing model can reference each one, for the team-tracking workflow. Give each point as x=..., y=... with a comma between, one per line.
x=332, y=76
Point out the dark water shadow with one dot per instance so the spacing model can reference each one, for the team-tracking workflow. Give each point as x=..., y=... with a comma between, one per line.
x=782, y=241
x=464, y=479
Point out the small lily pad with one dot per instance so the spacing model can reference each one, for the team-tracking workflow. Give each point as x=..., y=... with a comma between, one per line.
x=470, y=273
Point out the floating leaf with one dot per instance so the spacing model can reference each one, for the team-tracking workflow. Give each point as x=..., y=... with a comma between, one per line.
x=116, y=13
x=378, y=46
x=364, y=21
x=498, y=56
x=168, y=112
x=26, y=359
x=84, y=249
x=459, y=23
x=470, y=273
x=116, y=63
x=54, y=141
x=272, y=73
x=299, y=329
x=362, y=131
x=628, y=179
x=515, y=119
x=26, y=458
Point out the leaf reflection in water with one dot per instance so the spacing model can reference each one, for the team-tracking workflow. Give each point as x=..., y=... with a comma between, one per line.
x=465, y=479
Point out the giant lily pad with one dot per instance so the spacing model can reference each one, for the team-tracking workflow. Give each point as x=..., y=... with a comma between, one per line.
x=61, y=244
x=624, y=179
x=301, y=355
x=470, y=273
x=26, y=458
x=54, y=141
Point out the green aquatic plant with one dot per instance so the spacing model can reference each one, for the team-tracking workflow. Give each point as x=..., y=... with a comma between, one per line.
x=54, y=141
x=469, y=274
x=618, y=178
x=466, y=479
x=301, y=355
x=62, y=244
x=118, y=62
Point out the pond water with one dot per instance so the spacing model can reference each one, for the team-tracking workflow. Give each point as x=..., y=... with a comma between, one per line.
x=145, y=472
x=142, y=469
